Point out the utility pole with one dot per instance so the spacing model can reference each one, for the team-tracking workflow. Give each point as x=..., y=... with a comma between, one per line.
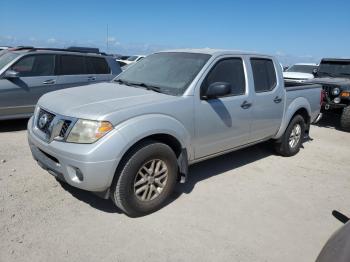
x=107, y=40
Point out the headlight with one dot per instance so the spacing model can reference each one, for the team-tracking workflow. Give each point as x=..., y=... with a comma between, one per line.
x=335, y=91
x=88, y=131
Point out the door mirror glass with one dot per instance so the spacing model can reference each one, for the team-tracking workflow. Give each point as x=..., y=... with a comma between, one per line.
x=218, y=89
x=10, y=74
x=314, y=72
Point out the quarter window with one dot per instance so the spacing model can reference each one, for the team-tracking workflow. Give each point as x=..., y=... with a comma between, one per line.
x=228, y=70
x=264, y=74
x=35, y=65
x=99, y=65
x=72, y=65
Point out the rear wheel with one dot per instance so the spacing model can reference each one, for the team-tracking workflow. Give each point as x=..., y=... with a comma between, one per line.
x=345, y=119
x=291, y=141
x=146, y=179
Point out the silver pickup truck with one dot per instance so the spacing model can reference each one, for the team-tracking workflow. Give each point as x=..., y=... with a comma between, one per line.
x=132, y=139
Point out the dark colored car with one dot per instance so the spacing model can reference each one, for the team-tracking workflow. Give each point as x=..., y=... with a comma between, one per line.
x=334, y=75
x=337, y=248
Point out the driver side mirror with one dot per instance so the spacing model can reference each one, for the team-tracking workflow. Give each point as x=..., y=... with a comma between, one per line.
x=314, y=72
x=11, y=74
x=217, y=89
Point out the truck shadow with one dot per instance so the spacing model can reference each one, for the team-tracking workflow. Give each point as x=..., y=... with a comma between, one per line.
x=13, y=125
x=330, y=120
x=219, y=165
x=197, y=173
x=89, y=198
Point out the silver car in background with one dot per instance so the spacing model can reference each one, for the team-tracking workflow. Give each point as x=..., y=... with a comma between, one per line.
x=28, y=73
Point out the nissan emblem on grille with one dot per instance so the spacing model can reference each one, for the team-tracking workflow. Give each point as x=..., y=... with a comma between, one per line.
x=43, y=121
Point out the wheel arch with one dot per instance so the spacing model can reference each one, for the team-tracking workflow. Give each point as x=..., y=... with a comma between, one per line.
x=299, y=106
x=156, y=127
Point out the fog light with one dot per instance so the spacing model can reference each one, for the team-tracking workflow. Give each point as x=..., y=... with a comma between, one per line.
x=336, y=100
x=79, y=174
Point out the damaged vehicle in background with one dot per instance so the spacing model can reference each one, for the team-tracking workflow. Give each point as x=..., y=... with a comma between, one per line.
x=131, y=140
x=334, y=76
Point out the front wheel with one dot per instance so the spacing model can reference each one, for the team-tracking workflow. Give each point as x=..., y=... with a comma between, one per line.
x=345, y=119
x=147, y=178
x=292, y=139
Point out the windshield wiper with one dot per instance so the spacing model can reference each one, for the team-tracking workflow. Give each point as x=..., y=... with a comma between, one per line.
x=148, y=87
x=123, y=82
x=344, y=74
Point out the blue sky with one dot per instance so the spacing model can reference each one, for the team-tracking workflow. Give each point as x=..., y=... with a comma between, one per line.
x=293, y=30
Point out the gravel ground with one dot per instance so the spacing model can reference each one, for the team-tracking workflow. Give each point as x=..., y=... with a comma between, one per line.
x=250, y=205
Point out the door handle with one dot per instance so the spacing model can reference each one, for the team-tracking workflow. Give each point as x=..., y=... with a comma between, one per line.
x=49, y=82
x=277, y=100
x=92, y=78
x=246, y=105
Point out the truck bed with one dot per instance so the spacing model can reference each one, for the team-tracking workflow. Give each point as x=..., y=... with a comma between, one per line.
x=293, y=86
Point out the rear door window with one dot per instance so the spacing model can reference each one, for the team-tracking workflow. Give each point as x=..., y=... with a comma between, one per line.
x=72, y=65
x=264, y=74
x=98, y=65
x=35, y=65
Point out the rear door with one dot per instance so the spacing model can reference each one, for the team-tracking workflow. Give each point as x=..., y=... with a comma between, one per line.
x=100, y=69
x=268, y=99
x=73, y=71
x=36, y=76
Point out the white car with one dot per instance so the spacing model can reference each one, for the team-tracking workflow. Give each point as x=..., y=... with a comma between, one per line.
x=300, y=72
x=4, y=47
x=132, y=59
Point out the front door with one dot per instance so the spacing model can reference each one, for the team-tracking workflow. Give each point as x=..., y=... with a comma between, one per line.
x=223, y=123
x=36, y=76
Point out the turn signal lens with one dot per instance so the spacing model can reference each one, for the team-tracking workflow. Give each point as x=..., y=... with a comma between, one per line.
x=104, y=128
x=345, y=94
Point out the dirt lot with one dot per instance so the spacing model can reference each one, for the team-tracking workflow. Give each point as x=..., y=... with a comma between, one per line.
x=250, y=205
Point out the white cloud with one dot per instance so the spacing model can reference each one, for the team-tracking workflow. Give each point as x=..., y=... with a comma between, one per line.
x=52, y=40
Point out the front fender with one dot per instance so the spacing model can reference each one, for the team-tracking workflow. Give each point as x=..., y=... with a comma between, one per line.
x=298, y=103
x=140, y=127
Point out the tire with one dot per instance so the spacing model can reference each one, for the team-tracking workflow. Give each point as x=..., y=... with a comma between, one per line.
x=135, y=177
x=284, y=147
x=345, y=119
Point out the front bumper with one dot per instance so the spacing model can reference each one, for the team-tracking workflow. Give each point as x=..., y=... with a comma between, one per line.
x=87, y=166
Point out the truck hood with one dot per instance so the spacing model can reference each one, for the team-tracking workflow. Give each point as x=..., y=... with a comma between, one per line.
x=98, y=100
x=297, y=75
x=331, y=81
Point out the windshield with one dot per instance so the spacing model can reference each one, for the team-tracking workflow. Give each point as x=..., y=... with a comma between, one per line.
x=132, y=58
x=334, y=68
x=170, y=73
x=7, y=58
x=302, y=68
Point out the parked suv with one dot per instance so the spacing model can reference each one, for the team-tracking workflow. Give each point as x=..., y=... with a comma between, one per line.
x=131, y=139
x=28, y=73
x=334, y=75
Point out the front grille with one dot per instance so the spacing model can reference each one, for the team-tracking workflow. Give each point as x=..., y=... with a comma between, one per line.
x=44, y=120
x=328, y=92
x=52, y=126
x=64, y=129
